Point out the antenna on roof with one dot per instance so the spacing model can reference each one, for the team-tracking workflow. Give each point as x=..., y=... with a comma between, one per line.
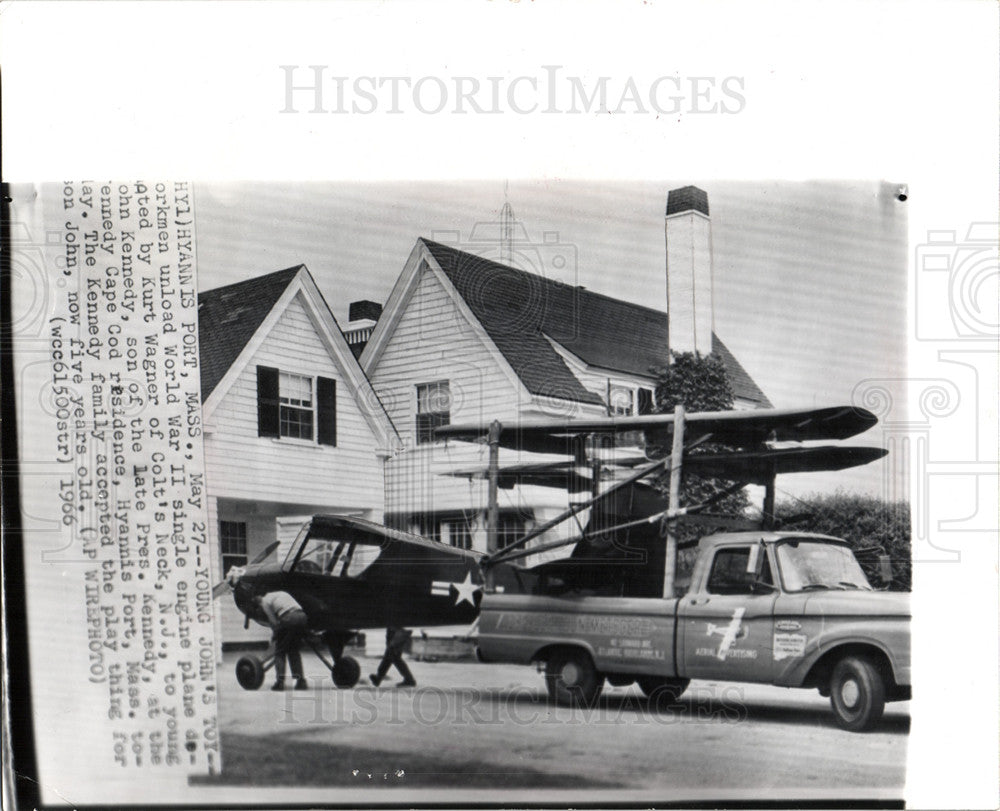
x=506, y=229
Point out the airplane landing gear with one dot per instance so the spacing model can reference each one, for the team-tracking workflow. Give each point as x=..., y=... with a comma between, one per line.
x=250, y=671
x=346, y=670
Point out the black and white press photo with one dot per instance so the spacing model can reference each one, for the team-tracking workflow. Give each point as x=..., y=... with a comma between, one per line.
x=490, y=405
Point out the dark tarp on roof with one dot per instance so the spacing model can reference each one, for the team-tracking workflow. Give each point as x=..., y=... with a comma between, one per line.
x=229, y=316
x=519, y=309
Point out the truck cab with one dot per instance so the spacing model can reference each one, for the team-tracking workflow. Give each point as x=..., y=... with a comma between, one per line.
x=789, y=609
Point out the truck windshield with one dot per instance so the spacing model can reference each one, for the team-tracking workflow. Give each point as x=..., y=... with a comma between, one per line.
x=807, y=565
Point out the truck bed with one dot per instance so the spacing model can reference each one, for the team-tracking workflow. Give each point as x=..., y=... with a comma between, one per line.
x=623, y=635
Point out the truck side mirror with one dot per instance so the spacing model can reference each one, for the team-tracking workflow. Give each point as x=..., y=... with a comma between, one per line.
x=885, y=569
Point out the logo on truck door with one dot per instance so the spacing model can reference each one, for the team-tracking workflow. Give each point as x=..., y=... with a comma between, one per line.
x=730, y=633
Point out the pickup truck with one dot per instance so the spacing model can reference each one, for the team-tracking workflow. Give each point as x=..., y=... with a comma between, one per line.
x=789, y=609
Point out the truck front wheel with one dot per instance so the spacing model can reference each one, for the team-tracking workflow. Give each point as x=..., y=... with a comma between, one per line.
x=571, y=678
x=857, y=693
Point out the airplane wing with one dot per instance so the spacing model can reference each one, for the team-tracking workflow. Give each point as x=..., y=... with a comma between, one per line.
x=743, y=428
x=561, y=475
x=753, y=467
x=757, y=467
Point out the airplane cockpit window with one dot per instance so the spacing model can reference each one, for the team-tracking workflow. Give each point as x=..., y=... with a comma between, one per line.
x=335, y=558
x=360, y=557
x=293, y=550
x=319, y=556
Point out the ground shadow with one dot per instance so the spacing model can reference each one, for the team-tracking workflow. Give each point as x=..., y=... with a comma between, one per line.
x=280, y=760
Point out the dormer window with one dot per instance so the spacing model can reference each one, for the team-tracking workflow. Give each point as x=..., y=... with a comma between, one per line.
x=625, y=401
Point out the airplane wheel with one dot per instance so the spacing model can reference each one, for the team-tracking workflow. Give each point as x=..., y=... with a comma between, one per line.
x=346, y=672
x=670, y=689
x=571, y=678
x=250, y=672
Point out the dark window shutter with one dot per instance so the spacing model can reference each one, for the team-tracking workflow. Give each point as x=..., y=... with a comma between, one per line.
x=326, y=411
x=267, y=402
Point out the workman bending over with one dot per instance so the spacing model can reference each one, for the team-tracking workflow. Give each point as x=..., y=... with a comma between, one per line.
x=395, y=641
x=290, y=624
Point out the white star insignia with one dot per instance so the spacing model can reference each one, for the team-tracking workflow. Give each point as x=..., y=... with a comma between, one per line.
x=466, y=590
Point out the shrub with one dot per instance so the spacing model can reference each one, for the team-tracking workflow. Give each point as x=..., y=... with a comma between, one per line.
x=699, y=383
x=864, y=522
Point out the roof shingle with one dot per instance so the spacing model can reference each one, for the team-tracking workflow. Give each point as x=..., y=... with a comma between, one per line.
x=229, y=316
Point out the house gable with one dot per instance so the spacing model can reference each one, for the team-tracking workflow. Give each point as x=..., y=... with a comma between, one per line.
x=428, y=335
x=242, y=464
x=264, y=303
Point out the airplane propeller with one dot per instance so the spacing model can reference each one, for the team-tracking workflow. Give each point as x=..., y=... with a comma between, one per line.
x=224, y=585
x=266, y=553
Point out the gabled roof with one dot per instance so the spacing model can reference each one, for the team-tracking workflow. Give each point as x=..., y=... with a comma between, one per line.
x=233, y=320
x=523, y=313
x=229, y=316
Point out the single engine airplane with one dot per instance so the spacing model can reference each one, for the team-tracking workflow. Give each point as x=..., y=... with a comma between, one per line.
x=349, y=574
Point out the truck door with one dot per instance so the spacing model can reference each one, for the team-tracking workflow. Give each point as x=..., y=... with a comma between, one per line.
x=726, y=625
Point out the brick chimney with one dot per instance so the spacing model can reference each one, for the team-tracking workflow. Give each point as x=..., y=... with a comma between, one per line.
x=362, y=317
x=688, y=231
x=364, y=311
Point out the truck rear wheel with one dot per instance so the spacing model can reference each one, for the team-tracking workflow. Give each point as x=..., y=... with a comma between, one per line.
x=671, y=689
x=571, y=678
x=857, y=693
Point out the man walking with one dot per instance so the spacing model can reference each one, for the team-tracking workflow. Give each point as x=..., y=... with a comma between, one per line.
x=290, y=624
x=395, y=642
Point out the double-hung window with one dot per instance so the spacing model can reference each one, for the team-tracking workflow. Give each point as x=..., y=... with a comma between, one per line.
x=233, y=544
x=433, y=408
x=296, y=406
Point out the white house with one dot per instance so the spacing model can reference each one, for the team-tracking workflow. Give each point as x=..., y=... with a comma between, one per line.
x=292, y=425
x=463, y=338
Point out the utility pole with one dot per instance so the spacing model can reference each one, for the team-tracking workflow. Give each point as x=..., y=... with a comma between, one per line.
x=492, y=508
x=768, y=517
x=674, y=504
